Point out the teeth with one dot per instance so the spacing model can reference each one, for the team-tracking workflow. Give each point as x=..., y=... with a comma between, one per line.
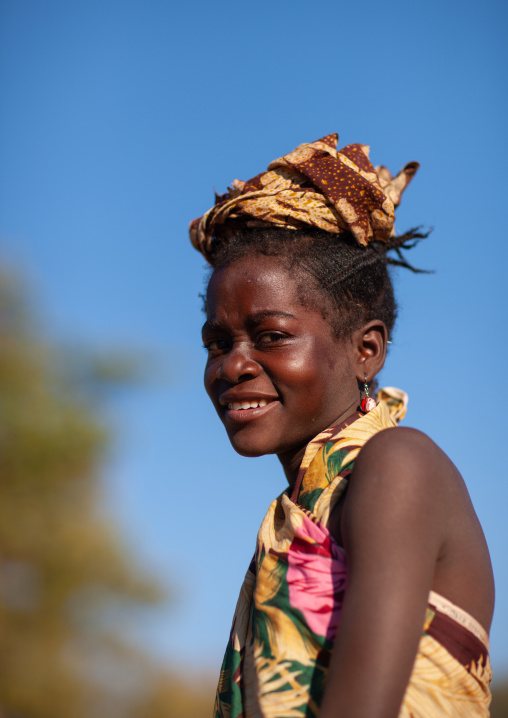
x=238, y=405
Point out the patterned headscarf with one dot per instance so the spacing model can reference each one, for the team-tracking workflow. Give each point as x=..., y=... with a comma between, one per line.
x=315, y=185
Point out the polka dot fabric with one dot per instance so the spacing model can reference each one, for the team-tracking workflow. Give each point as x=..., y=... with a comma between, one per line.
x=316, y=185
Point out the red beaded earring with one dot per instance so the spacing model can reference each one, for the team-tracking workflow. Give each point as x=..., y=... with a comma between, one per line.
x=367, y=403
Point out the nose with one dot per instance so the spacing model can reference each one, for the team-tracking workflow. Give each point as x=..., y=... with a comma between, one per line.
x=238, y=366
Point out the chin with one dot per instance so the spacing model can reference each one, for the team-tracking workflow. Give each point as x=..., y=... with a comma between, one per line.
x=250, y=448
x=250, y=451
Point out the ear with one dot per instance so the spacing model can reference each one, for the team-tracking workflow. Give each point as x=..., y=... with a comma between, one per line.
x=369, y=345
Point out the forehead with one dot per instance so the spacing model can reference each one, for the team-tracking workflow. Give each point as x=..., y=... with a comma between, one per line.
x=254, y=283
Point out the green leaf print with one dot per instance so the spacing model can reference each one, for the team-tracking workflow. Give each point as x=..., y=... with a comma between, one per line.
x=334, y=461
x=308, y=499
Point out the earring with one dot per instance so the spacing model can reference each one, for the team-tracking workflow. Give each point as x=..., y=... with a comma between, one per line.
x=367, y=403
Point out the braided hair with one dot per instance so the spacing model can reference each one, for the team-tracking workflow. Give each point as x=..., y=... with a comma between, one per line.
x=350, y=285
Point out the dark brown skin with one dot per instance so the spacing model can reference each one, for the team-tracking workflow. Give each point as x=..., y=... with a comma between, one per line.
x=263, y=344
x=407, y=525
x=406, y=522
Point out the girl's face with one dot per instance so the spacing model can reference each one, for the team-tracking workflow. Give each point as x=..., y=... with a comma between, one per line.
x=275, y=373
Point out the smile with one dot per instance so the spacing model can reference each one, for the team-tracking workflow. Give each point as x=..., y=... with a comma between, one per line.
x=240, y=412
x=243, y=405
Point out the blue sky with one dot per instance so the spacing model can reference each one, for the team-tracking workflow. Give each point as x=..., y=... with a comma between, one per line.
x=119, y=119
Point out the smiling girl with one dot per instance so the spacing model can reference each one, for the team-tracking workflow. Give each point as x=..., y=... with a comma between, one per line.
x=370, y=593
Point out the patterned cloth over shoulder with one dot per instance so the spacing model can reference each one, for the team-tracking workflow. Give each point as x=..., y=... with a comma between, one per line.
x=289, y=608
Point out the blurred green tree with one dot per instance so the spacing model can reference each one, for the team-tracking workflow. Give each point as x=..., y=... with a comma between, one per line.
x=65, y=574
x=499, y=706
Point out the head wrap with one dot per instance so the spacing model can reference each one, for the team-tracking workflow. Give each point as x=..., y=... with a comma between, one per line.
x=316, y=185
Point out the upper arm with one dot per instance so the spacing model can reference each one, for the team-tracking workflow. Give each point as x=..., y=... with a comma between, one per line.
x=394, y=528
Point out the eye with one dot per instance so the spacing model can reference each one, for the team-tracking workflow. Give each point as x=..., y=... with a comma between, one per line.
x=216, y=346
x=270, y=338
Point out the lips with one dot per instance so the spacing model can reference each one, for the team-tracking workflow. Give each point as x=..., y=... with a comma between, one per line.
x=239, y=412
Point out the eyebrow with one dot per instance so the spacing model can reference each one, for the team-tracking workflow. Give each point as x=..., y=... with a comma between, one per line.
x=212, y=325
x=253, y=321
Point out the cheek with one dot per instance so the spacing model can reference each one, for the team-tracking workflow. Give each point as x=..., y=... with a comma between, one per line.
x=297, y=367
x=326, y=374
x=318, y=365
x=209, y=378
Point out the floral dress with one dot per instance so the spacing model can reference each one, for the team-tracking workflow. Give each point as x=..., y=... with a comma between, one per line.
x=288, y=612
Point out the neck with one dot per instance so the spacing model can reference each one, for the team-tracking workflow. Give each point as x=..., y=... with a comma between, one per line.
x=292, y=459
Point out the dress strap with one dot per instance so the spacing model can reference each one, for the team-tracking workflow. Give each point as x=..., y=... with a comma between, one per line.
x=443, y=605
x=327, y=435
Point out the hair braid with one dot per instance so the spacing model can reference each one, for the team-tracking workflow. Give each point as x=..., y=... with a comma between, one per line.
x=352, y=283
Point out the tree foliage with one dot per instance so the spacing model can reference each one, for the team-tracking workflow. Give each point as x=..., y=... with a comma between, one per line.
x=499, y=706
x=64, y=571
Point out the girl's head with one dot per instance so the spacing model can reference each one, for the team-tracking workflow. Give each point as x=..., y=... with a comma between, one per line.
x=278, y=372
x=300, y=303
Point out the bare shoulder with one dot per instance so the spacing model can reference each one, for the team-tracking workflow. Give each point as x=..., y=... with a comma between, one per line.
x=404, y=465
x=408, y=454
x=406, y=498
x=402, y=481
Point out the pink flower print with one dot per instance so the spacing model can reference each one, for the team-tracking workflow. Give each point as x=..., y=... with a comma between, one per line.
x=316, y=577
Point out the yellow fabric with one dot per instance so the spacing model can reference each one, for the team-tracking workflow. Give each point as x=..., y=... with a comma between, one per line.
x=440, y=687
x=315, y=185
x=276, y=662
